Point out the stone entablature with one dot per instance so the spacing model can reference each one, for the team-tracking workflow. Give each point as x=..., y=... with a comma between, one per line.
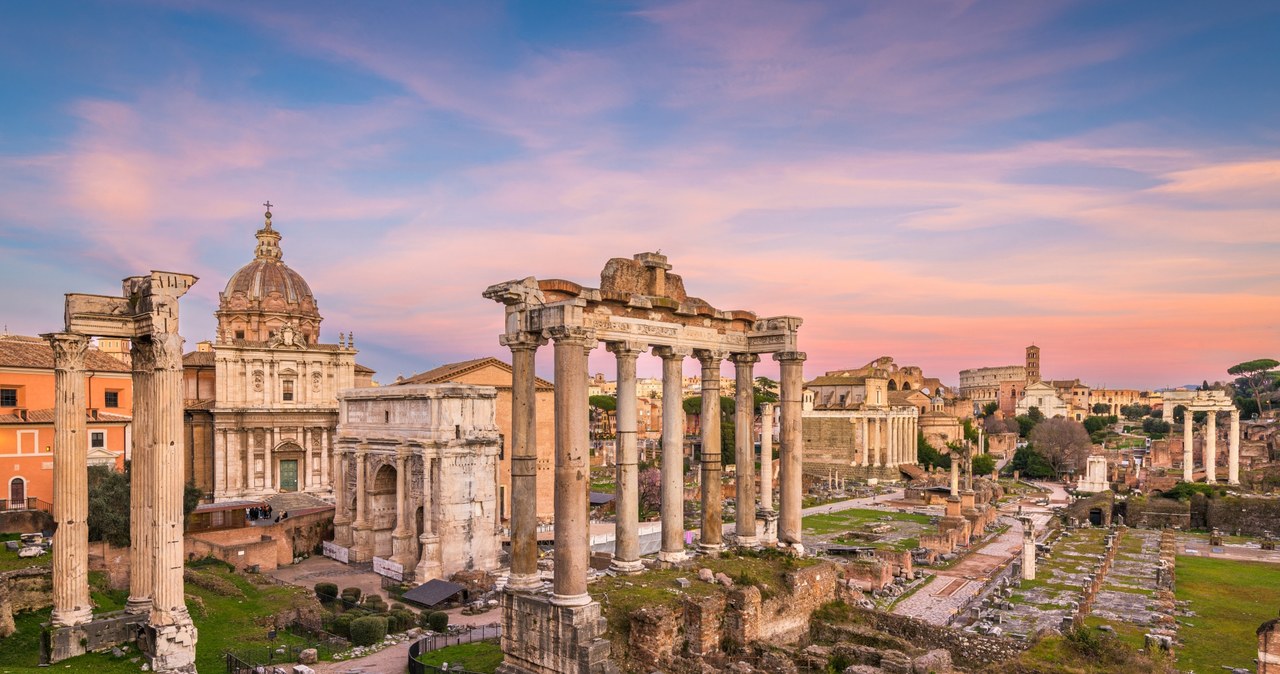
x=416, y=467
x=1210, y=402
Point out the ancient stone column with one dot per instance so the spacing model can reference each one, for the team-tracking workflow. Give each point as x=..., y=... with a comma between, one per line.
x=1028, y=549
x=626, y=551
x=175, y=633
x=866, y=442
x=672, y=455
x=791, y=366
x=362, y=490
x=955, y=474
x=71, y=604
x=712, y=500
x=342, y=500
x=1210, y=450
x=572, y=549
x=744, y=447
x=403, y=545
x=1188, y=461
x=524, y=462
x=878, y=459
x=141, y=513
x=1233, y=449
x=891, y=446
x=766, y=456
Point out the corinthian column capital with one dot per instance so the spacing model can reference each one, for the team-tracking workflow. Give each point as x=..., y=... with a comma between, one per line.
x=69, y=349
x=790, y=356
x=744, y=358
x=625, y=350
x=709, y=357
x=572, y=334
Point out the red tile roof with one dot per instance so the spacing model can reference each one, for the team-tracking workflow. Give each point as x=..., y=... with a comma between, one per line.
x=35, y=353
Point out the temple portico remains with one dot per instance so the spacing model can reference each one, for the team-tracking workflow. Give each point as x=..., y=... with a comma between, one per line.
x=1095, y=475
x=1211, y=403
x=416, y=490
x=156, y=613
x=640, y=306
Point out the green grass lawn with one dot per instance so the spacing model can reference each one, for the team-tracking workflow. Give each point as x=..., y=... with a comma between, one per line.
x=1230, y=599
x=854, y=518
x=225, y=623
x=10, y=560
x=482, y=656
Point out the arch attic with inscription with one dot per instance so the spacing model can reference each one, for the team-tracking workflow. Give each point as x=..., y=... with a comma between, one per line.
x=640, y=306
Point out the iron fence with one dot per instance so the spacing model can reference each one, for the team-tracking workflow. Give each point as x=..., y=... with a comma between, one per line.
x=438, y=641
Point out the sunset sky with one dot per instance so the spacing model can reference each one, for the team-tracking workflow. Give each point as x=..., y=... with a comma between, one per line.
x=942, y=182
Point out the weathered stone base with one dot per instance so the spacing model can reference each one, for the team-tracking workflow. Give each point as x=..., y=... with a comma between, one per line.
x=539, y=637
x=170, y=648
x=110, y=629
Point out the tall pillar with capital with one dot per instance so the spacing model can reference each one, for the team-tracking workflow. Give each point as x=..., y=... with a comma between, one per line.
x=569, y=584
x=361, y=533
x=524, y=461
x=744, y=447
x=626, y=555
x=1210, y=450
x=1188, y=460
x=791, y=373
x=71, y=604
x=404, y=547
x=866, y=441
x=141, y=481
x=712, y=500
x=672, y=454
x=1233, y=449
x=955, y=474
x=343, y=511
x=768, y=516
x=174, y=645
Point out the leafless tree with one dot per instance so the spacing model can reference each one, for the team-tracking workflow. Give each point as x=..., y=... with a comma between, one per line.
x=650, y=486
x=1064, y=443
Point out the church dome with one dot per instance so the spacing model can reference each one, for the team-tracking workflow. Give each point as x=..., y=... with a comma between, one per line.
x=266, y=294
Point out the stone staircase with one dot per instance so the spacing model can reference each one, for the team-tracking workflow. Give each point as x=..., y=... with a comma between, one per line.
x=500, y=580
x=913, y=472
x=295, y=502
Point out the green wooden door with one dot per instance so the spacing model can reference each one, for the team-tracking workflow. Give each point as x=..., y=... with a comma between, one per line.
x=289, y=475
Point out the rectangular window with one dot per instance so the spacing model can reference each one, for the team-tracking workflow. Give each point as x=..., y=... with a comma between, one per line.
x=287, y=388
x=97, y=439
x=112, y=399
x=8, y=397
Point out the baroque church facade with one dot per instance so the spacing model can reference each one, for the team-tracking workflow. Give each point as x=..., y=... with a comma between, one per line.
x=262, y=397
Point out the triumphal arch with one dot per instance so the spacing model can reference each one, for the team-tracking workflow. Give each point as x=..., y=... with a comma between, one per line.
x=156, y=613
x=640, y=306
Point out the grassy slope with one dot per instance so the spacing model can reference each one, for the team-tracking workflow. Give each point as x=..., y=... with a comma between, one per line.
x=1230, y=600
x=845, y=520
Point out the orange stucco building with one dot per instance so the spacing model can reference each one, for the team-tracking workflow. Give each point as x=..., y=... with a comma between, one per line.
x=26, y=416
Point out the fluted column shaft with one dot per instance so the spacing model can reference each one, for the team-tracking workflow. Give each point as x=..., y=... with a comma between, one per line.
x=878, y=459
x=1211, y=447
x=168, y=601
x=1188, y=460
x=362, y=489
x=866, y=441
x=524, y=463
x=141, y=511
x=1233, y=449
x=744, y=447
x=569, y=584
x=791, y=366
x=626, y=554
x=712, y=500
x=402, y=494
x=672, y=455
x=955, y=473
x=70, y=482
x=895, y=442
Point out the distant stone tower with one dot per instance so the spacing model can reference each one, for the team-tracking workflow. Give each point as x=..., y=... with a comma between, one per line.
x=1033, y=364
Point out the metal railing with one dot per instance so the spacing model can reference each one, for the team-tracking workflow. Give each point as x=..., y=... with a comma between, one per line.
x=30, y=503
x=438, y=641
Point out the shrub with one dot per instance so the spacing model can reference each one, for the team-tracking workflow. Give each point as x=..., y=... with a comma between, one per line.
x=375, y=603
x=327, y=593
x=341, y=624
x=396, y=606
x=437, y=621
x=351, y=595
x=401, y=619
x=368, y=631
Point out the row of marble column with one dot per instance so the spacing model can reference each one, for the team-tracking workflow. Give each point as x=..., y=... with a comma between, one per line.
x=156, y=487
x=1209, y=454
x=888, y=441
x=572, y=551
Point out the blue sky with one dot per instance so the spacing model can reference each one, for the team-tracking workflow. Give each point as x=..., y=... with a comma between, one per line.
x=944, y=182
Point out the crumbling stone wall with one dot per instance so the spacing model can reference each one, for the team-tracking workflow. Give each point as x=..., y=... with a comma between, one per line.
x=23, y=590
x=25, y=521
x=1157, y=512
x=1079, y=511
x=1249, y=516
x=1269, y=647
x=967, y=649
